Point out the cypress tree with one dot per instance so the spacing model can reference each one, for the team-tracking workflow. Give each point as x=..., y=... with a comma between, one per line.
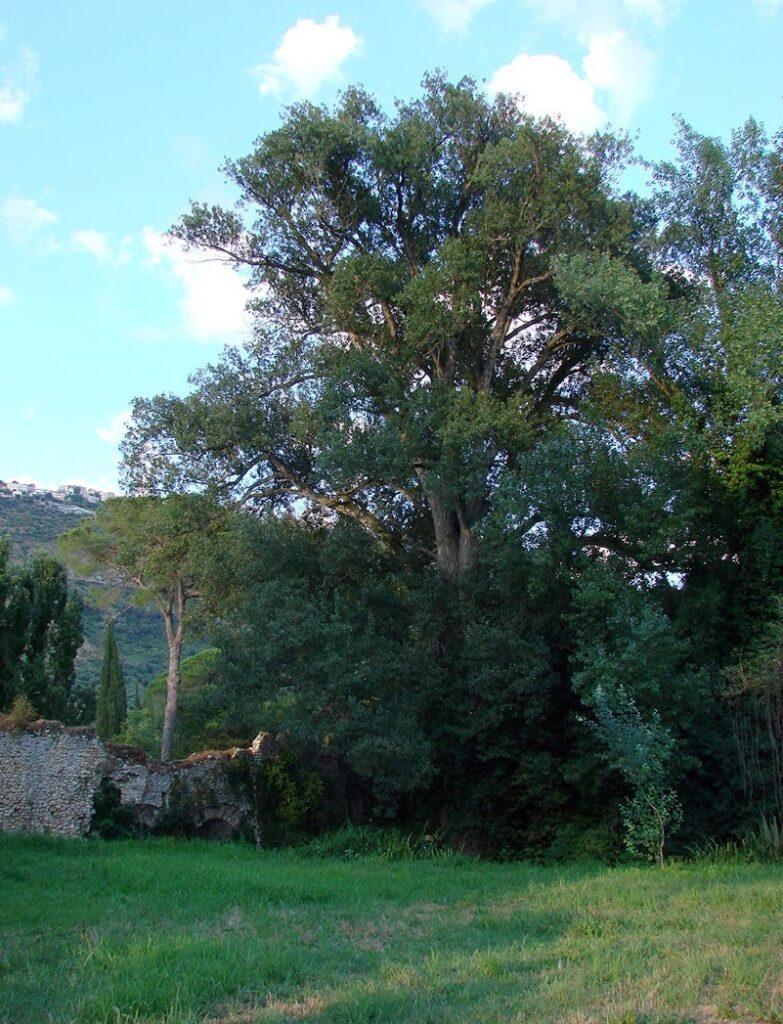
x=112, y=701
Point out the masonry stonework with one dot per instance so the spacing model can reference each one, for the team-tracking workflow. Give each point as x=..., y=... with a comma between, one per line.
x=50, y=775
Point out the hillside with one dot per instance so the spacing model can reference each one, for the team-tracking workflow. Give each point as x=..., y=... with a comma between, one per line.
x=33, y=526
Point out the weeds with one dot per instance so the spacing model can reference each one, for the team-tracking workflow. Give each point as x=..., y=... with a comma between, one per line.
x=352, y=842
x=764, y=845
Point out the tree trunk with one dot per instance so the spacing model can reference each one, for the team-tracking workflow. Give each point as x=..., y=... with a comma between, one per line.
x=172, y=699
x=455, y=545
x=174, y=638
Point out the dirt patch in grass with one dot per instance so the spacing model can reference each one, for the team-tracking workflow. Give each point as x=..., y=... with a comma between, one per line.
x=712, y=1015
x=293, y=1009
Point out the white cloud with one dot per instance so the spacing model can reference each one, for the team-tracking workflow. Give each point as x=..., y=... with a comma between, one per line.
x=454, y=15
x=115, y=432
x=619, y=74
x=769, y=7
x=547, y=85
x=24, y=218
x=98, y=245
x=7, y=295
x=621, y=67
x=213, y=306
x=93, y=242
x=310, y=53
x=17, y=84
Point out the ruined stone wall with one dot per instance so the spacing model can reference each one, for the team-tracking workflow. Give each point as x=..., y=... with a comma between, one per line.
x=50, y=775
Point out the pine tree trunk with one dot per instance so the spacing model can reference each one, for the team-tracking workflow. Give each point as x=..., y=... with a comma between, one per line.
x=172, y=698
x=174, y=638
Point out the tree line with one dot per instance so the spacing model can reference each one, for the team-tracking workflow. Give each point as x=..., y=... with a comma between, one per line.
x=488, y=511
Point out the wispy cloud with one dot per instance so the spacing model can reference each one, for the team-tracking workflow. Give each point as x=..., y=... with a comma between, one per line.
x=213, y=304
x=769, y=7
x=93, y=242
x=18, y=75
x=454, y=16
x=24, y=219
x=115, y=432
x=7, y=295
x=98, y=245
x=580, y=19
x=310, y=54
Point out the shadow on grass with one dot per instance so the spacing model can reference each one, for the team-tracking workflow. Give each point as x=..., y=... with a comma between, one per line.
x=163, y=933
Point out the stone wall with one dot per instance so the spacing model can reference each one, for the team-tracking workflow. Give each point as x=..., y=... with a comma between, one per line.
x=50, y=776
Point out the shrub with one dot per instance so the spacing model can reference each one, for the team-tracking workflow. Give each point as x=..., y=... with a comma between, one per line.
x=22, y=711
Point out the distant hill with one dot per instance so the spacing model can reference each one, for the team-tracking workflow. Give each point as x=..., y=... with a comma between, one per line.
x=33, y=526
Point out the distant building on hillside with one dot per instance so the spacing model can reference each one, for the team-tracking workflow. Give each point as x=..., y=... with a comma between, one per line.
x=63, y=493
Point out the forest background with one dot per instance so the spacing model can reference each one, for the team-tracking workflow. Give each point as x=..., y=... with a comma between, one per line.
x=488, y=511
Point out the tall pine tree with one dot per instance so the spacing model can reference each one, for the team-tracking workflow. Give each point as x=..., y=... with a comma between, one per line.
x=112, y=701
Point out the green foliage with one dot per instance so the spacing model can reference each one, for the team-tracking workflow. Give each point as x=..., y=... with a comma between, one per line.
x=112, y=699
x=154, y=545
x=22, y=711
x=203, y=723
x=34, y=527
x=353, y=842
x=111, y=819
x=641, y=751
x=767, y=840
x=514, y=445
x=40, y=634
x=315, y=648
x=289, y=800
x=397, y=261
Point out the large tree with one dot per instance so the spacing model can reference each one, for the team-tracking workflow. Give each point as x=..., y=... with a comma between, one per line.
x=566, y=399
x=411, y=339
x=151, y=544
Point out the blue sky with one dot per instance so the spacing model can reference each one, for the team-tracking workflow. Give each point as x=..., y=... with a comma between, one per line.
x=112, y=117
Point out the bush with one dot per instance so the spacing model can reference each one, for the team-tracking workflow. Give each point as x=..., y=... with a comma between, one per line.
x=22, y=711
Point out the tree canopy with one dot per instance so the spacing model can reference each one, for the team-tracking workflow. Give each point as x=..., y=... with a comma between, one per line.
x=511, y=439
x=411, y=336
x=152, y=544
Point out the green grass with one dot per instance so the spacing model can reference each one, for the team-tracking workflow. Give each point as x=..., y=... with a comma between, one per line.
x=160, y=931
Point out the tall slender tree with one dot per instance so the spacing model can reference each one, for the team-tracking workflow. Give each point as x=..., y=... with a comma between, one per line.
x=112, y=699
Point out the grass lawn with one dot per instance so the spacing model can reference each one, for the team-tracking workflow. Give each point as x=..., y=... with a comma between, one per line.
x=159, y=931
